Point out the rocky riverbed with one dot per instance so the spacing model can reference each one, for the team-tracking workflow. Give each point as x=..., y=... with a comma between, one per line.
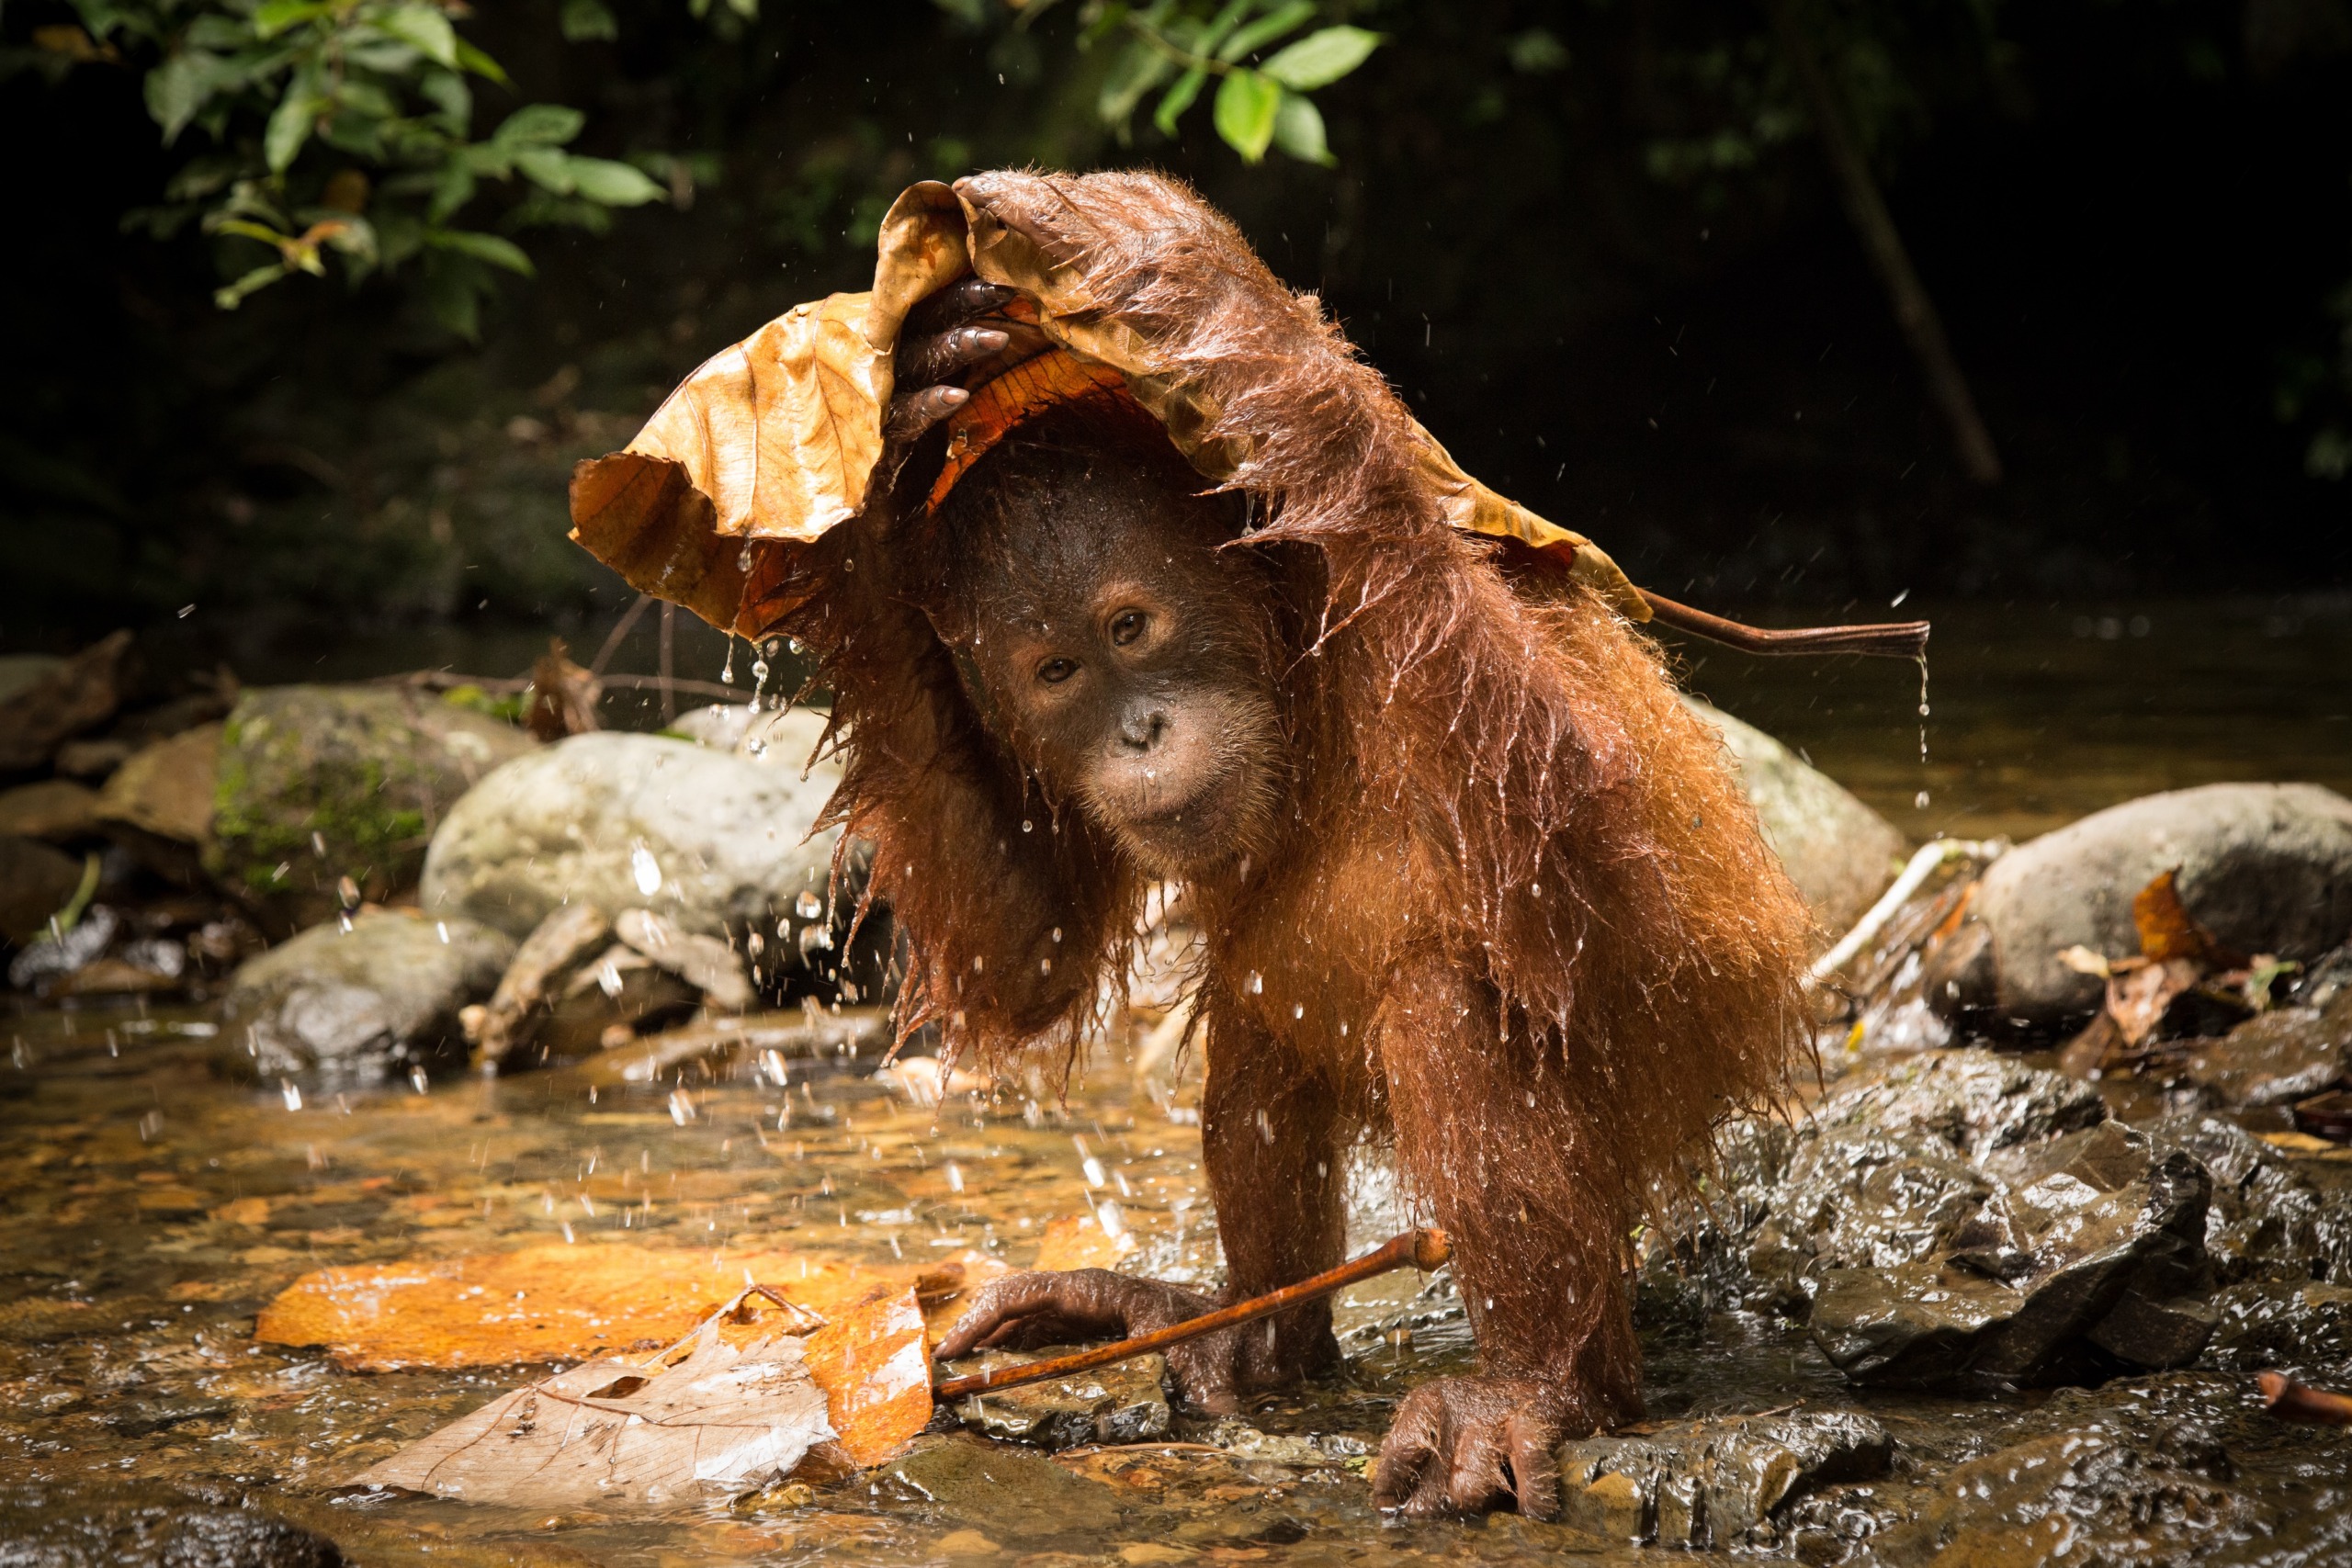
x=1995, y=1291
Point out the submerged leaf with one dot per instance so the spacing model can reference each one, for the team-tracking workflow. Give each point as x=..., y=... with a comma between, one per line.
x=547, y=1304
x=718, y=1421
x=874, y=1362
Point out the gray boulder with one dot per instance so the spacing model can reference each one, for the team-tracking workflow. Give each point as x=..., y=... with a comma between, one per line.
x=778, y=737
x=2267, y=867
x=320, y=783
x=361, y=1005
x=1839, y=853
x=712, y=843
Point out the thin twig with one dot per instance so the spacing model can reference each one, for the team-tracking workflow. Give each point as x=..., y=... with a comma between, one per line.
x=613, y=638
x=1423, y=1249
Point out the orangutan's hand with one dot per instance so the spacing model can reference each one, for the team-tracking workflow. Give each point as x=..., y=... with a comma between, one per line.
x=943, y=336
x=1465, y=1445
x=1023, y=1312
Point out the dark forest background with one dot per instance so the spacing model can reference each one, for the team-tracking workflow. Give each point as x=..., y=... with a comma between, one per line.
x=1597, y=244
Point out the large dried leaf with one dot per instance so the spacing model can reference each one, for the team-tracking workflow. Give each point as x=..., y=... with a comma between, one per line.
x=873, y=1359
x=554, y=1303
x=773, y=441
x=726, y=1419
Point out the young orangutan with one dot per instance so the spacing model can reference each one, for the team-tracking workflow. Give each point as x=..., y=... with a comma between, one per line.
x=1470, y=877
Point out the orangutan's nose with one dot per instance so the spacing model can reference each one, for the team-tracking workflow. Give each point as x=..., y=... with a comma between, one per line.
x=1141, y=733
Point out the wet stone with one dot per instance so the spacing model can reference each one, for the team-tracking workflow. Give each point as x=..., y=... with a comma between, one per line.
x=160, y=1531
x=2086, y=1257
x=362, y=1004
x=2276, y=1057
x=1124, y=1403
x=2101, y=1493
x=1715, y=1483
x=2267, y=868
x=2266, y=1222
x=2305, y=1327
x=1009, y=1491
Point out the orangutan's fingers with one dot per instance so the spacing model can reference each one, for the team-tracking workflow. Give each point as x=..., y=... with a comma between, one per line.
x=1410, y=1450
x=1535, y=1474
x=959, y=304
x=1478, y=1473
x=1081, y=1303
x=918, y=412
x=922, y=361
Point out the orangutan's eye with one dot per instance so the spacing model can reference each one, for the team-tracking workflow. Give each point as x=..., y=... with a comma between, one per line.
x=1053, y=671
x=1127, y=627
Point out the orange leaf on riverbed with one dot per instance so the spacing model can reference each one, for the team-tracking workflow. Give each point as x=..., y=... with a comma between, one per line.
x=563, y=1302
x=874, y=1362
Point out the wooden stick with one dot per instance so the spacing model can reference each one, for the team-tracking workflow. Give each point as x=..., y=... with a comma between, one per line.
x=1889, y=639
x=2291, y=1400
x=1424, y=1249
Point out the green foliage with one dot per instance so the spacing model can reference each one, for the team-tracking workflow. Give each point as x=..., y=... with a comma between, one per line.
x=1174, y=47
x=343, y=129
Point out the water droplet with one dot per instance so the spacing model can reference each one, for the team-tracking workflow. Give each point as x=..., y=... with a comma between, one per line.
x=1298, y=1010
x=727, y=671
x=955, y=1178
x=1027, y=826
x=807, y=906
x=293, y=1094
x=1919, y=801
x=682, y=1107
x=1257, y=983
x=645, y=870
x=441, y=928
x=417, y=1080
x=1093, y=1171
x=1057, y=933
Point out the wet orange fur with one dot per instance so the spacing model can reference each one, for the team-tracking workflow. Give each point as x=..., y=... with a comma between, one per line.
x=1519, y=915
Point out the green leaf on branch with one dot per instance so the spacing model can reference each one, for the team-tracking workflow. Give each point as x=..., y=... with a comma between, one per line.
x=179, y=87
x=425, y=28
x=481, y=247
x=540, y=125
x=547, y=168
x=1298, y=130
x=1137, y=71
x=1246, y=104
x=234, y=295
x=275, y=17
x=481, y=64
x=1248, y=40
x=290, y=125
x=1178, y=99
x=612, y=184
x=1321, y=58
x=587, y=21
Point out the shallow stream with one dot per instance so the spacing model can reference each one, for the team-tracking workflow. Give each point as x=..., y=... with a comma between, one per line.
x=154, y=1207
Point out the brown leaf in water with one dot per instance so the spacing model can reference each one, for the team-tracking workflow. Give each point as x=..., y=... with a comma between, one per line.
x=873, y=1359
x=710, y=1418
x=554, y=1302
x=1080, y=1242
x=2167, y=930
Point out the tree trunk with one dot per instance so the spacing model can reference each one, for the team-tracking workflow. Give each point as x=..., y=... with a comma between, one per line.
x=1914, y=310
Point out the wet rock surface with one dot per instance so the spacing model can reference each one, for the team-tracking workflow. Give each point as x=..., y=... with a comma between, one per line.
x=2267, y=868
x=1119, y=1403
x=2276, y=1057
x=2084, y=1256
x=1713, y=1484
x=1839, y=853
x=363, y=1004
x=153, y=1531
x=328, y=795
x=1008, y=1491
x=710, y=842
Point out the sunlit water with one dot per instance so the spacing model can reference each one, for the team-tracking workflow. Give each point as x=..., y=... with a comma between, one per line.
x=153, y=1206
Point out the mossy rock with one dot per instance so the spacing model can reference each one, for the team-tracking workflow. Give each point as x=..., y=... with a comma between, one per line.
x=317, y=784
